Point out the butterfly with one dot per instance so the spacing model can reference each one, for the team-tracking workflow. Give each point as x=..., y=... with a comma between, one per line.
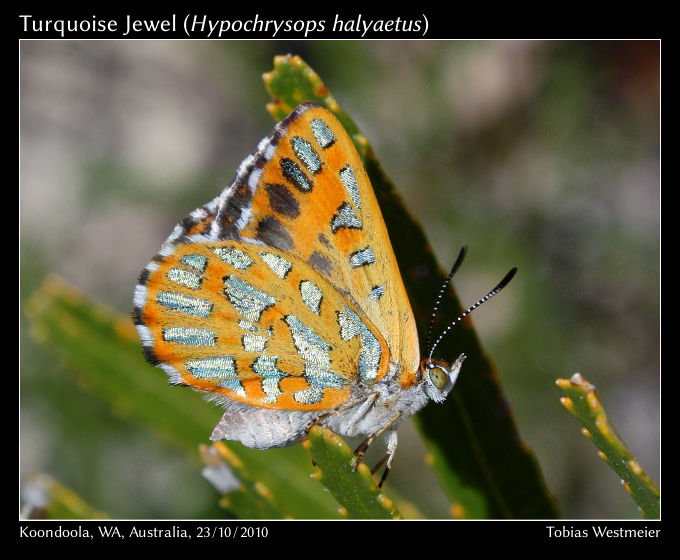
x=282, y=300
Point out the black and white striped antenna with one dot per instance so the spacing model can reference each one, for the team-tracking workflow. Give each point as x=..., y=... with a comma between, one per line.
x=504, y=282
x=454, y=268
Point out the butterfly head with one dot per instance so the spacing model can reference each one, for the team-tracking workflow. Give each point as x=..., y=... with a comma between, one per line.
x=438, y=377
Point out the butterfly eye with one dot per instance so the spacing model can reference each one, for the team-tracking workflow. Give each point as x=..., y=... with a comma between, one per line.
x=438, y=377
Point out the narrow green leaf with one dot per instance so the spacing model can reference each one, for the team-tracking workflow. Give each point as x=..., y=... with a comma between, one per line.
x=354, y=490
x=476, y=451
x=583, y=401
x=292, y=82
x=102, y=349
x=240, y=493
x=47, y=498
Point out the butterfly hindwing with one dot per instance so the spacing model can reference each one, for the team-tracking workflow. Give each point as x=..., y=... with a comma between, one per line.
x=255, y=325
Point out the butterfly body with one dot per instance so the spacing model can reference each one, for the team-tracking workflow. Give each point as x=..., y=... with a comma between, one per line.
x=282, y=299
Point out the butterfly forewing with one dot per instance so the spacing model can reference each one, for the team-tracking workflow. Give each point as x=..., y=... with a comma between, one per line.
x=306, y=193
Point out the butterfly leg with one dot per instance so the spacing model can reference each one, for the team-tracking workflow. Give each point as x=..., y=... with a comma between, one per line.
x=391, y=450
x=360, y=412
x=380, y=463
x=361, y=450
x=341, y=408
x=392, y=443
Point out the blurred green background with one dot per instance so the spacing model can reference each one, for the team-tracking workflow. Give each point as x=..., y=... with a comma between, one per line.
x=539, y=154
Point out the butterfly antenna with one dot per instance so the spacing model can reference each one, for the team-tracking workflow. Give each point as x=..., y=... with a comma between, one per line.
x=487, y=297
x=454, y=268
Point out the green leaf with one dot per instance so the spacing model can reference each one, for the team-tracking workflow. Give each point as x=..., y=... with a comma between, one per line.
x=475, y=449
x=583, y=401
x=354, y=489
x=47, y=498
x=240, y=493
x=293, y=81
x=102, y=349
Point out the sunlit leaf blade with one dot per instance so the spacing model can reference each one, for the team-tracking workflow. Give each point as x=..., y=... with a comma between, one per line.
x=354, y=490
x=102, y=349
x=476, y=451
x=583, y=401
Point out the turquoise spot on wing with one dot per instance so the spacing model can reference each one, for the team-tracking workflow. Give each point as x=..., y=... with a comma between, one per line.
x=376, y=293
x=266, y=367
x=197, y=262
x=351, y=325
x=345, y=217
x=276, y=263
x=306, y=154
x=214, y=367
x=324, y=136
x=235, y=257
x=190, y=336
x=309, y=396
x=295, y=175
x=311, y=295
x=184, y=277
x=349, y=181
x=247, y=300
x=254, y=342
x=310, y=346
x=361, y=258
x=218, y=368
x=184, y=304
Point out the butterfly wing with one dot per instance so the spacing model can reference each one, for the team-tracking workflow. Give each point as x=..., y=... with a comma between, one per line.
x=306, y=192
x=255, y=325
x=283, y=293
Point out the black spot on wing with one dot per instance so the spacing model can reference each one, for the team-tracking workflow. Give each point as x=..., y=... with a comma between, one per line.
x=282, y=200
x=320, y=263
x=271, y=232
x=295, y=175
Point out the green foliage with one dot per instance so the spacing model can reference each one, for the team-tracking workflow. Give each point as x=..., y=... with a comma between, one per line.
x=246, y=497
x=485, y=468
x=350, y=484
x=49, y=499
x=101, y=348
x=474, y=448
x=583, y=402
x=292, y=82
